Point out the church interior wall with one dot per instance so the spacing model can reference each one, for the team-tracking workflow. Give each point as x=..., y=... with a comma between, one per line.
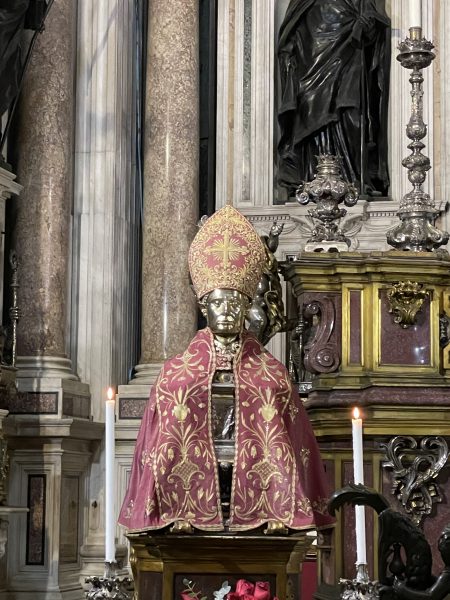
x=105, y=319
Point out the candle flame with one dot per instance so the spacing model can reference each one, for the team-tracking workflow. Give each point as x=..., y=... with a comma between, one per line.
x=356, y=413
x=110, y=393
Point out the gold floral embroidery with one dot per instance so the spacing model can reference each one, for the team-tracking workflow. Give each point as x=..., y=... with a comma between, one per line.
x=321, y=505
x=185, y=470
x=268, y=410
x=146, y=458
x=265, y=470
x=149, y=506
x=189, y=365
x=304, y=505
x=304, y=456
x=293, y=410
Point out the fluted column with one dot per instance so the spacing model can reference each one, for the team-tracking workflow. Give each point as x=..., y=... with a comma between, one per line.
x=43, y=143
x=171, y=147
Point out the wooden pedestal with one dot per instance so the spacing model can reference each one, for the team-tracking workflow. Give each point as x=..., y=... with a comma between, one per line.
x=161, y=562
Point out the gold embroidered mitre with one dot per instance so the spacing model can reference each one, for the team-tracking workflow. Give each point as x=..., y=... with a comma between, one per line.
x=226, y=253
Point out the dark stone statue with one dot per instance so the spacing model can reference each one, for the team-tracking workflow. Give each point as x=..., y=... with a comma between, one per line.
x=334, y=58
x=12, y=23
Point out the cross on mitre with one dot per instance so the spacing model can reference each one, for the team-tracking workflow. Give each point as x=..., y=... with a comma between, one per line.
x=227, y=248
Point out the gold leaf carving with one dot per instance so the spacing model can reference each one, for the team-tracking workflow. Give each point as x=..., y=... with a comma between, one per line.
x=406, y=299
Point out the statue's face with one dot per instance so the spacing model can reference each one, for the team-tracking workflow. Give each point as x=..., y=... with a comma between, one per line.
x=225, y=311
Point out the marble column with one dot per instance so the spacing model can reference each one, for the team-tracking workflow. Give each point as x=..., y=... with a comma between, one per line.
x=171, y=156
x=106, y=226
x=43, y=155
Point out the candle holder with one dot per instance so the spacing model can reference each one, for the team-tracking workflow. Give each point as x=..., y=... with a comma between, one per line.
x=327, y=190
x=360, y=588
x=417, y=211
x=110, y=586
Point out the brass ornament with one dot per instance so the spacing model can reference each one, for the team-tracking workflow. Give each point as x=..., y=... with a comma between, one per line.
x=415, y=468
x=406, y=299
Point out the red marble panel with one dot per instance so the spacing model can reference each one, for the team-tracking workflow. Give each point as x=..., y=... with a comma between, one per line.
x=132, y=408
x=355, y=327
x=34, y=403
x=35, y=545
x=329, y=467
x=399, y=346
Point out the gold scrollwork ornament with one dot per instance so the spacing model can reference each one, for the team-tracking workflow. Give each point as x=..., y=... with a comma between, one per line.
x=406, y=298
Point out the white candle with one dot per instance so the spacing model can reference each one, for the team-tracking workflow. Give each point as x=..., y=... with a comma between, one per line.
x=110, y=487
x=358, y=475
x=415, y=13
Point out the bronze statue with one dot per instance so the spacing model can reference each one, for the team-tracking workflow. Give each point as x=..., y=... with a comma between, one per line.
x=404, y=554
x=334, y=68
x=225, y=443
x=266, y=314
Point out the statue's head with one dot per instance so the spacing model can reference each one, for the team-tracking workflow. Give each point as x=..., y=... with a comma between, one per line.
x=226, y=261
x=225, y=311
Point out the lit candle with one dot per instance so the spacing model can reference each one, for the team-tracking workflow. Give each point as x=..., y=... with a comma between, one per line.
x=358, y=475
x=110, y=487
x=415, y=13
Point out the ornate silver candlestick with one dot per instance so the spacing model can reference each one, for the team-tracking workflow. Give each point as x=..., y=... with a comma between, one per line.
x=360, y=588
x=417, y=212
x=110, y=586
x=327, y=190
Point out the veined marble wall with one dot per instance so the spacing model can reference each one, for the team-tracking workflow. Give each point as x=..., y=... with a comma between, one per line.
x=247, y=129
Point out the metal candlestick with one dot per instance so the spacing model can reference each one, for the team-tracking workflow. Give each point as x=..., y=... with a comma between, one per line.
x=110, y=586
x=417, y=212
x=327, y=190
x=360, y=588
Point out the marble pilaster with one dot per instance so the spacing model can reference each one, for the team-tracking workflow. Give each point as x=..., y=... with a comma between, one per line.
x=171, y=147
x=42, y=156
x=105, y=264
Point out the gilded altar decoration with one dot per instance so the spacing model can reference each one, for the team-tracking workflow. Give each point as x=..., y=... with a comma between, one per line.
x=277, y=461
x=226, y=253
x=415, y=469
x=406, y=299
